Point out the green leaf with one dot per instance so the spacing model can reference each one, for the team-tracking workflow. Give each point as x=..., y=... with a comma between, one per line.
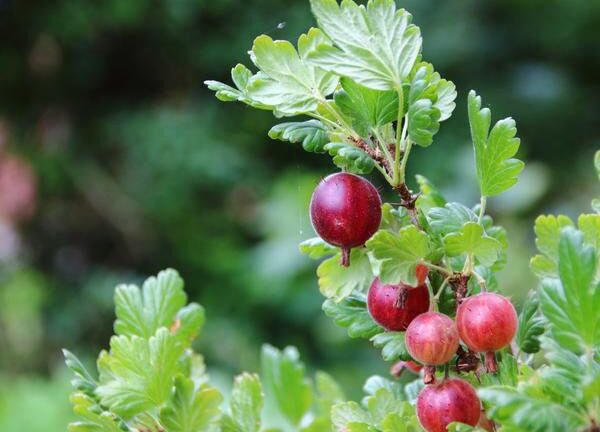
x=430, y=196
x=497, y=171
x=547, y=231
x=423, y=122
x=597, y=163
x=93, y=417
x=461, y=427
x=399, y=254
x=352, y=313
x=329, y=393
x=450, y=218
x=241, y=76
x=376, y=382
x=83, y=381
x=350, y=158
x=531, y=326
x=189, y=410
x=367, y=108
x=589, y=225
x=138, y=373
x=246, y=405
x=472, y=240
x=142, y=312
x=288, y=83
x=283, y=377
x=312, y=134
x=427, y=84
x=347, y=413
x=376, y=46
x=507, y=374
x=570, y=303
x=396, y=423
x=338, y=282
x=188, y=323
x=317, y=248
x=393, y=219
x=392, y=346
x=507, y=405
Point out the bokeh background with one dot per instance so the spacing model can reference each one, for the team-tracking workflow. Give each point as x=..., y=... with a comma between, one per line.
x=116, y=162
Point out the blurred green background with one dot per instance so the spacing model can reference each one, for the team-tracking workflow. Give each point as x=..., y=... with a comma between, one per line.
x=116, y=162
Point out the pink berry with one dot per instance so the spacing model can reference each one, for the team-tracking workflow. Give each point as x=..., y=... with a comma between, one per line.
x=432, y=338
x=394, y=306
x=345, y=211
x=452, y=400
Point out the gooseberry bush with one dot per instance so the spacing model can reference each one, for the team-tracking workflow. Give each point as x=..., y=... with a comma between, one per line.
x=415, y=277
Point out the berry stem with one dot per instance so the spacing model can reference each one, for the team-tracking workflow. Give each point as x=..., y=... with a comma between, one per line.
x=345, y=261
x=429, y=375
x=491, y=365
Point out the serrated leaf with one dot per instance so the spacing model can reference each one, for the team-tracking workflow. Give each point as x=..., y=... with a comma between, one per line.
x=547, y=230
x=138, y=373
x=284, y=379
x=245, y=405
x=376, y=46
x=338, y=282
x=329, y=393
x=430, y=196
x=312, y=134
x=288, y=83
x=507, y=374
x=83, y=381
x=352, y=313
x=190, y=410
x=461, y=427
x=392, y=346
x=427, y=84
x=569, y=304
x=143, y=312
x=396, y=423
x=188, y=323
x=497, y=170
x=472, y=240
x=450, y=219
x=367, y=108
x=423, y=122
x=393, y=219
x=347, y=413
x=241, y=76
x=376, y=382
x=350, y=158
x=317, y=248
x=93, y=417
x=531, y=326
x=399, y=254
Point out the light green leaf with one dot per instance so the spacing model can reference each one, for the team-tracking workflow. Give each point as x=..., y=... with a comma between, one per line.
x=507, y=374
x=450, y=218
x=312, y=134
x=284, y=380
x=246, y=405
x=188, y=323
x=393, y=219
x=472, y=240
x=376, y=382
x=531, y=326
x=547, y=231
x=329, y=393
x=346, y=413
x=423, y=122
x=191, y=410
x=597, y=163
x=352, y=313
x=427, y=84
x=241, y=76
x=430, y=196
x=93, y=418
x=376, y=46
x=83, y=381
x=396, y=423
x=497, y=171
x=142, y=312
x=138, y=373
x=350, y=158
x=288, y=83
x=317, y=248
x=367, y=108
x=392, y=346
x=399, y=254
x=461, y=427
x=338, y=282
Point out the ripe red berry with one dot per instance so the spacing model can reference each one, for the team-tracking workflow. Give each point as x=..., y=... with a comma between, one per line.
x=432, y=338
x=452, y=400
x=394, y=306
x=345, y=211
x=486, y=323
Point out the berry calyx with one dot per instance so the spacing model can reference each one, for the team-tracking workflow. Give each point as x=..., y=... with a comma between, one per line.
x=486, y=323
x=452, y=400
x=394, y=306
x=345, y=211
x=399, y=367
x=432, y=339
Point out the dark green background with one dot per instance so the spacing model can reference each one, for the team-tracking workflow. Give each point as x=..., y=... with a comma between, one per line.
x=139, y=168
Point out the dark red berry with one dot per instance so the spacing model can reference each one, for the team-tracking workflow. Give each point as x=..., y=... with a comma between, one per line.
x=345, y=211
x=486, y=323
x=390, y=311
x=432, y=338
x=452, y=400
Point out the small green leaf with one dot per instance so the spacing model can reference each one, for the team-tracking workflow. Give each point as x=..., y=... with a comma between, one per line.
x=329, y=393
x=423, y=122
x=350, y=158
x=376, y=382
x=547, y=231
x=312, y=134
x=246, y=405
x=83, y=381
x=531, y=326
x=317, y=248
x=93, y=417
x=393, y=219
x=338, y=282
x=392, y=346
x=427, y=84
x=367, y=108
x=191, y=410
x=142, y=312
x=347, y=413
x=497, y=171
x=376, y=46
x=352, y=313
x=450, y=219
x=472, y=240
x=507, y=373
x=430, y=196
x=461, y=427
x=399, y=254
x=241, y=76
x=284, y=380
x=597, y=163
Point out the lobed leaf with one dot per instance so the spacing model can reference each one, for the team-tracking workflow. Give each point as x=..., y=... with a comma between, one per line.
x=317, y=248
x=350, y=158
x=338, y=282
x=312, y=134
x=93, y=417
x=392, y=346
x=531, y=326
x=352, y=314
x=245, y=405
x=472, y=240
